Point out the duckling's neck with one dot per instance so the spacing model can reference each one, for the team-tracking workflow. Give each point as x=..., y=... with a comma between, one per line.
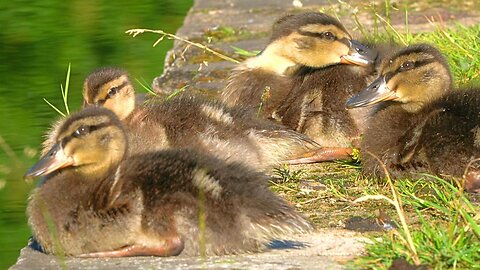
x=413, y=107
x=93, y=173
x=270, y=60
x=410, y=107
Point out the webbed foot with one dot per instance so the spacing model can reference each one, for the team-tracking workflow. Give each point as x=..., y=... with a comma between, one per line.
x=171, y=247
x=324, y=154
x=472, y=181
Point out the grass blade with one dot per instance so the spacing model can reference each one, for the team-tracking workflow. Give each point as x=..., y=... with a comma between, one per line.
x=55, y=108
x=176, y=92
x=65, y=93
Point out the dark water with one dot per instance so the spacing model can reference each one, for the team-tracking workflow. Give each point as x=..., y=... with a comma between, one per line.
x=38, y=40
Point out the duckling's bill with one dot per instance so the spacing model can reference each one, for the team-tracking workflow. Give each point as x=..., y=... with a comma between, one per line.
x=55, y=159
x=376, y=92
x=359, y=55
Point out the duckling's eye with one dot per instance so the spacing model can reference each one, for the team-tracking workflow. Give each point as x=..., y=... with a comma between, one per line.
x=112, y=91
x=329, y=35
x=407, y=65
x=81, y=131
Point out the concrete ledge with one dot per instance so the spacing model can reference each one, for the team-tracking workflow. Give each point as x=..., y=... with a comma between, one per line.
x=321, y=250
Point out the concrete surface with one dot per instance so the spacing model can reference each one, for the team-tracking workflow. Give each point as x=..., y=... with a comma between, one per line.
x=321, y=250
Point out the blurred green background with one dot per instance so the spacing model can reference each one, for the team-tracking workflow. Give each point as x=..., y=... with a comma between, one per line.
x=38, y=41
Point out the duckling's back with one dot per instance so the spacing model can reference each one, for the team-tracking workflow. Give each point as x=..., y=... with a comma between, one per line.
x=208, y=126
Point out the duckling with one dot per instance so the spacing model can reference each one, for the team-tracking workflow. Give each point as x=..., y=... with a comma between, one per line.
x=310, y=39
x=310, y=68
x=99, y=202
x=191, y=121
x=420, y=123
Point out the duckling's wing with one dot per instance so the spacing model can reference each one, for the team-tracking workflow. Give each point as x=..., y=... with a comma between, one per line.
x=410, y=140
x=316, y=106
x=451, y=138
x=257, y=90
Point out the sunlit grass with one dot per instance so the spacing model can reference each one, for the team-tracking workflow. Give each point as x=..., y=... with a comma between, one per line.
x=451, y=240
x=459, y=44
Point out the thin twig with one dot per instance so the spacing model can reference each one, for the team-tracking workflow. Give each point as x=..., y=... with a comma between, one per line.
x=135, y=32
x=65, y=92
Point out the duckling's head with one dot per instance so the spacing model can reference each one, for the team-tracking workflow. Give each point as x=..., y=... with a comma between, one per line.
x=90, y=142
x=315, y=39
x=413, y=76
x=111, y=88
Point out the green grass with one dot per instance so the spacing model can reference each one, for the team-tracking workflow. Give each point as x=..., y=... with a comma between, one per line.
x=451, y=240
x=460, y=45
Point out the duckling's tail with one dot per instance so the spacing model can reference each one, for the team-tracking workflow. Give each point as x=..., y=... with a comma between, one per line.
x=275, y=221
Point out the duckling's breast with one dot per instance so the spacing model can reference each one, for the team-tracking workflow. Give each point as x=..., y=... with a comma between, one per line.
x=316, y=106
x=78, y=225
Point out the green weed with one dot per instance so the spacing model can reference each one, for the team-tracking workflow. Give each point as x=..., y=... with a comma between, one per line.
x=243, y=52
x=285, y=174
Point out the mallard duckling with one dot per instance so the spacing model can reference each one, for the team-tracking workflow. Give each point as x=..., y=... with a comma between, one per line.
x=420, y=123
x=316, y=105
x=309, y=39
x=191, y=121
x=98, y=202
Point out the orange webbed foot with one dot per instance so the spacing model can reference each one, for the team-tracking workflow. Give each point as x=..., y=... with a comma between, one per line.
x=324, y=154
x=171, y=247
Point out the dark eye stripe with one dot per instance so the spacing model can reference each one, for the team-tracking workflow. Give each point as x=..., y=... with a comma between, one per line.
x=416, y=64
x=317, y=35
x=119, y=88
x=92, y=129
x=310, y=34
